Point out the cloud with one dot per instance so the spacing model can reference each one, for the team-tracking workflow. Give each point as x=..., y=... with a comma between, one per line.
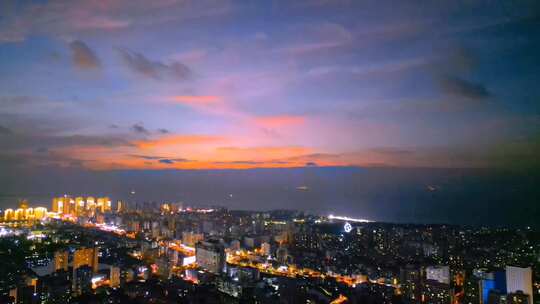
x=320, y=37
x=45, y=148
x=5, y=131
x=74, y=18
x=139, y=64
x=462, y=60
x=152, y=157
x=139, y=129
x=391, y=151
x=463, y=88
x=196, y=99
x=166, y=161
x=311, y=164
x=262, y=153
x=279, y=121
x=163, y=131
x=176, y=140
x=251, y=162
x=147, y=157
x=101, y=23
x=83, y=56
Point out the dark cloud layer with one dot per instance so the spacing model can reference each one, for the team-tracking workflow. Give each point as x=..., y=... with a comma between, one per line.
x=5, y=131
x=463, y=88
x=41, y=140
x=139, y=64
x=170, y=161
x=83, y=56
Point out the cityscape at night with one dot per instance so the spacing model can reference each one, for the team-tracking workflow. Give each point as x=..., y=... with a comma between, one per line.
x=303, y=151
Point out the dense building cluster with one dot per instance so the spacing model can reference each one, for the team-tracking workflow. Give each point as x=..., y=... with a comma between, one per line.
x=162, y=253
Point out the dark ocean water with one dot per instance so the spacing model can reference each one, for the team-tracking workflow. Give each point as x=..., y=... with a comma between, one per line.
x=454, y=196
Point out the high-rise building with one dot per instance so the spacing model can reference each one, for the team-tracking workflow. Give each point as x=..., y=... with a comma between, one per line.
x=440, y=274
x=103, y=204
x=79, y=205
x=411, y=278
x=57, y=205
x=63, y=205
x=40, y=213
x=210, y=255
x=82, y=280
x=191, y=238
x=9, y=215
x=23, y=204
x=90, y=205
x=61, y=260
x=485, y=286
x=114, y=277
x=56, y=288
x=86, y=257
x=519, y=279
x=120, y=207
x=266, y=249
x=435, y=292
x=164, y=267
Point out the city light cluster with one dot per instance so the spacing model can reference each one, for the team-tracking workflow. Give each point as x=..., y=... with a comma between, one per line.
x=81, y=206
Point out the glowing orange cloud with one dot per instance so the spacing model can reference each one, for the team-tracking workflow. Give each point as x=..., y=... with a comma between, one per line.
x=200, y=155
x=279, y=121
x=176, y=140
x=203, y=100
x=260, y=153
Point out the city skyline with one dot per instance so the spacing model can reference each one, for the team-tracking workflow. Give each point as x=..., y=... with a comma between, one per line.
x=271, y=151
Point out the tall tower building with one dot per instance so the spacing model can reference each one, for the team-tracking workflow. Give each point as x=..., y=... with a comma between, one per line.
x=61, y=260
x=519, y=279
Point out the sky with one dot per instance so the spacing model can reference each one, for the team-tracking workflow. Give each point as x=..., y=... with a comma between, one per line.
x=103, y=86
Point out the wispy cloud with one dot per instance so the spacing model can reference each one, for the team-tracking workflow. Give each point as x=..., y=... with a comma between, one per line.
x=83, y=56
x=319, y=38
x=71, y=18
x=154, y=69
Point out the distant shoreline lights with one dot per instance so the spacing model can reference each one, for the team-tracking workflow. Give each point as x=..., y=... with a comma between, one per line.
x=349, y=219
